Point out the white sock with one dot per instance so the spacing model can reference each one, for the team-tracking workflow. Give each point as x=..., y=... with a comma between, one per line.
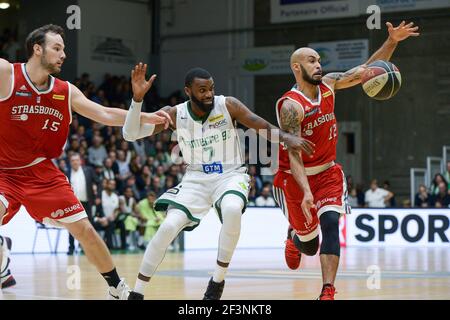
x=219, y=274
x=139, y=287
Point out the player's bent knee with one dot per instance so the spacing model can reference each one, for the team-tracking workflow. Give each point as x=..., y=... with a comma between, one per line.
x=308, y=248
x=329, y=223
x=232, y=204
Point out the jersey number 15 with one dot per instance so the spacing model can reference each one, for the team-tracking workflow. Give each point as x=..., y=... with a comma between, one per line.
x=54, y=127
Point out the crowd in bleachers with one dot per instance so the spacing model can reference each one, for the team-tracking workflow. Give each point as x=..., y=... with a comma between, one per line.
x=10, y=49
x=437, y=195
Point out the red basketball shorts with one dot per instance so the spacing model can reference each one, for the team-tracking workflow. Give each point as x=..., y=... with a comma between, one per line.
x=330, y=194
x=43, y=190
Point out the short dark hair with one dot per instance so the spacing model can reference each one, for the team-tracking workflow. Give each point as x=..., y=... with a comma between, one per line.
x=196, y=73
x=38, y=37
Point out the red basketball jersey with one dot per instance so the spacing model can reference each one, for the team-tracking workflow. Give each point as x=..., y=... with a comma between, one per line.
x=318, y=126
x=33, y=124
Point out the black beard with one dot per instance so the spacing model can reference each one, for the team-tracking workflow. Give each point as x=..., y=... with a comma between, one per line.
x=309, y=79
x=204, y=107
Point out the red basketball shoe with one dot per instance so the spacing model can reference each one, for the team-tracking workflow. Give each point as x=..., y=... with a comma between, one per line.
x=328, y=292
x=291, y=254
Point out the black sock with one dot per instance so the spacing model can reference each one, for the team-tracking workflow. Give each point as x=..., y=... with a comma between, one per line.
x=112, y=278
x=327, y=285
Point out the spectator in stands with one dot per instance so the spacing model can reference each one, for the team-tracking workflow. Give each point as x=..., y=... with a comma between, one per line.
x=12, y=48
x=102, y=223
x=392, y=202
x=442, y=199
x=156, y=186
x=82, y=178
x=107, y=170
x=406, y=203
x=377, y=197
x=438, y=178
x=124, y=168
x=447, y=176
x=353, y=198
x=265, y=199
x=360, y=194
x=140, y=147
x=151, y=219
x=422, y=198
x=110, y=205
x=252, y=198
x=97, y=153
x=62, y=165
x=131, y=183
x=252, y=172
x=130, y=216
x=115, y=166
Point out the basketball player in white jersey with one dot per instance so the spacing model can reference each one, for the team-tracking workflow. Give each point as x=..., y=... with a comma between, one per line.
x=216, y=174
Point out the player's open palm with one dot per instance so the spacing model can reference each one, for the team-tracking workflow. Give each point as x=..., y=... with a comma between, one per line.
x=139, y=84
x=403, y=31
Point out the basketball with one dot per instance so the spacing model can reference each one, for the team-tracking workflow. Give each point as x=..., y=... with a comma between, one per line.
x=381, y=80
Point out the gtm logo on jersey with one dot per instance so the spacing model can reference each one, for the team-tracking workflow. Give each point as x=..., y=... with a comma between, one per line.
x=61, y=212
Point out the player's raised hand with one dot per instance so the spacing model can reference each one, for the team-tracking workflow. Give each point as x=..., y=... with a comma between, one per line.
x=139, y=84
x=307, y=205
x=402, y=31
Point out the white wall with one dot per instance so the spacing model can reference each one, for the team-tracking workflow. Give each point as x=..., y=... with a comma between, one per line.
x=187, y=44
x=130, y=22
x=22, y=230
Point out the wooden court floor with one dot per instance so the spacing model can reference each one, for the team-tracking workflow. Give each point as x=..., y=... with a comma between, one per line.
x=258, y=274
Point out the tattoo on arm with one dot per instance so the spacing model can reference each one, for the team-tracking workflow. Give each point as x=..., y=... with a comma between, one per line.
x=290, y=117
x=349, y=76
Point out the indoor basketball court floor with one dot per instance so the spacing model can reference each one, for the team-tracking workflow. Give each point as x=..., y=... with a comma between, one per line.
x=255, y=274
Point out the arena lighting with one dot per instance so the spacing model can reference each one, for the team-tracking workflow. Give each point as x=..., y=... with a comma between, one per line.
x=4, y=5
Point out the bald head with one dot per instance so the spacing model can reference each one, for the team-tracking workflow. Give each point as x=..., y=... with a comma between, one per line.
x=300, y=55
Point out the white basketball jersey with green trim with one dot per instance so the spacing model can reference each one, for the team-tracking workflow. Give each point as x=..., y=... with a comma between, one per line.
x=209, y=145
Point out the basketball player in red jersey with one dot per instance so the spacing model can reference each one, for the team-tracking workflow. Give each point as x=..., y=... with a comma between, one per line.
x=35, y=115
x=311, y=190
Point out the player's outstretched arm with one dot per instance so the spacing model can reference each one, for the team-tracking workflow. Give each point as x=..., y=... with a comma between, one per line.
x=290, y=119
x=243, y=115
x=5, y=78
x=343, y=80
x=134, y=129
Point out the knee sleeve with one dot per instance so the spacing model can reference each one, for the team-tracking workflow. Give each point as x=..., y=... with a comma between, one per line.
x=308, y=248
x=231, y=210
x=329, y=223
